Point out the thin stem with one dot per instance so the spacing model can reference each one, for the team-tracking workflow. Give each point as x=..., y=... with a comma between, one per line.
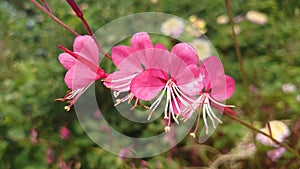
x=236, y=44
x=238, y=54
x=54, y=17
x=263, y=133
x=269, y=128
x=46, y=5
x=79, y=15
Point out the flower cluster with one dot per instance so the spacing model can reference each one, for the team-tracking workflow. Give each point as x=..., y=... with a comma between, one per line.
x=83, y=67
x=279, y=131
x=150, y=72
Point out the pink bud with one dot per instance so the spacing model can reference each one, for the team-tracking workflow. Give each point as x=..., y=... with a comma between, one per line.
x=49, y=156
x=33, y=136
x=62, y=164
x=64, y=133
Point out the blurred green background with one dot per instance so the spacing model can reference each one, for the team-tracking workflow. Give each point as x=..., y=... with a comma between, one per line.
x=31, y=78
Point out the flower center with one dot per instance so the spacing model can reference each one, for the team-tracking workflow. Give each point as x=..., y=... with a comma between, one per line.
x=204, y=104
x=174, y=98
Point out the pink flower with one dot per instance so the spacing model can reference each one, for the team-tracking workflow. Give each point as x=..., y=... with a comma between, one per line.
x=33, y=136
x=277, y=129
x=61, y=164
x=128, y=68
x=214, y=87
x=275, y=154
x=64, y=133
x=167, y=73
x=82, y=66
x=49, y=156
x=151, y=72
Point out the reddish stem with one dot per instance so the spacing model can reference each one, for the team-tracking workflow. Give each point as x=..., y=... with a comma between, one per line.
x=54, y=17
x=79, y=14
x=46, y=6
x=269, y=128
x=228, y=112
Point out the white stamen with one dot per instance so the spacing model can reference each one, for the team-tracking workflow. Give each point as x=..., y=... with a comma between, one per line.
x=188, y=98
x=175, y=101
x=123, y=79
x=220, y=104
x=213, y=114
x=158, y=100
x=116, y=87
x=167, y=102
x=209, y=115
x=127, y=97
x=171, y=110
x=205, y=121
x=204, y=103
x=185, y=103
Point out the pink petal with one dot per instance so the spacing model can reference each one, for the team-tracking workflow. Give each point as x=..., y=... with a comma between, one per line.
x=186, y=52
x=160, y=46
x=230, y=87
x=133, y=63
x=145, y=59
x=155, y=58
x=80, y=76
x=186, y=74
x=140, y=41
x=189, y=81
x=148, y=84
x=87, y=48
x=275, y=154
x=215, y=78
x=67, y=60
x=119, y=53
x=179, y=70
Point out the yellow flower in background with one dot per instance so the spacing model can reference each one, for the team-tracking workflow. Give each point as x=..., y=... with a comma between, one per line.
x=198, y=23
x=279, y=132
x=203, y=48
x=173, y=27
x=154, y=1
x=222, y=20
x=257, y=17
x=237, y=29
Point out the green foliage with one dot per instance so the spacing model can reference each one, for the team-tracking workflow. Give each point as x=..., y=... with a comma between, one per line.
x=31, y=78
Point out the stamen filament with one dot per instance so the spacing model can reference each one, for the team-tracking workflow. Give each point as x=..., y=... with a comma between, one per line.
x=205, y=121
x=175, y=101
x=166, y=107
x=209, y=115
x=171, y=110
x=197, y=123
x=220, y=104
x=118, y=101
x=158, y=100
x=213, y=114
x=180, y=98
x=120, y=86
x=188, y=98
x=123, y=79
